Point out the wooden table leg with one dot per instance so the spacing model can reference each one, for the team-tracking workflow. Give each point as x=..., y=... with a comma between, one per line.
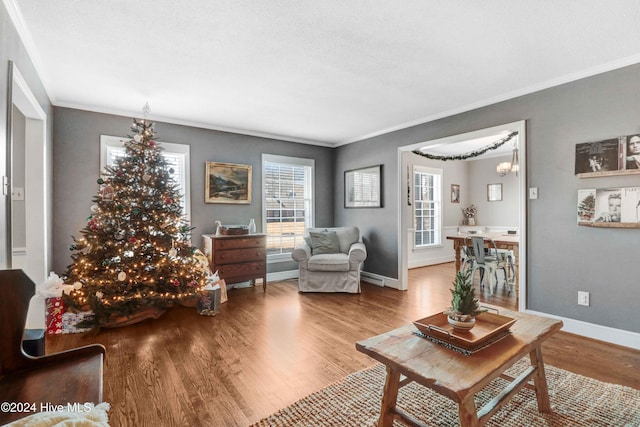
x=456, y=248
x=389, y=397
x=540, y=381
x=467, y=413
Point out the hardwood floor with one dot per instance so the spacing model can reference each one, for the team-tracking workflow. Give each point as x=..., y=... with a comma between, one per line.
x=266, y=350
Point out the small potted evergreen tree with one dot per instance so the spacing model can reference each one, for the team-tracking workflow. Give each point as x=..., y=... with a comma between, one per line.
x=464, y=304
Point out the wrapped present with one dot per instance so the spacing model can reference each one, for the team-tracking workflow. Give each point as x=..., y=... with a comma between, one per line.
x=54, y=308
x=209, y=302
x=214, y=279
x=51, y=290
x=71, y=320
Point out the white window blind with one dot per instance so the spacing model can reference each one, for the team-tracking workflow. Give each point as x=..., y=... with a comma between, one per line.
x=288, y=202
x=427, y=207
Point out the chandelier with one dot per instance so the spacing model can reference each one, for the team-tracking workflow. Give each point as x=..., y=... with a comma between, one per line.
x=504, y=168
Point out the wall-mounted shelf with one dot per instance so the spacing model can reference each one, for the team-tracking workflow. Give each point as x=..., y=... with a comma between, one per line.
x=608, y=173
x=610, y=224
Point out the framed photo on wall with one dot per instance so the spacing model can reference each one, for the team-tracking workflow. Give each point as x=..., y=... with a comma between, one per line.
x=615, y=156
x=363, y=187
x=455, y=193
x=494, y=192
x=227, y=183
x=609, y=207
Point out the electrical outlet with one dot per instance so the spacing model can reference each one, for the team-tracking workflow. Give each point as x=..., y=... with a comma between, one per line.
x=583, y=298
x=533, y=193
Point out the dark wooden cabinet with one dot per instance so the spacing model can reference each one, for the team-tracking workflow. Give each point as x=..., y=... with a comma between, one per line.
x=237, y=258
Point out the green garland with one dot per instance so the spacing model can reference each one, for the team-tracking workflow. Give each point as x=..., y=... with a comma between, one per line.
x=471, y=154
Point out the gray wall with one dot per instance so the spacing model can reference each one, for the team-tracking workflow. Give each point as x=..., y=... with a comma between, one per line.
x=562, y=257
x=13, y=50
x=378, y=226
x=77, y=163
x=502, y=213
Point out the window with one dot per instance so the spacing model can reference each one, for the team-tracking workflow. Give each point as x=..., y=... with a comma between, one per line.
x=427, y=206
x=176, y=155
x=287, y=191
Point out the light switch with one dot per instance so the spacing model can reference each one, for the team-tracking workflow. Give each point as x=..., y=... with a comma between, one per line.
x=17, y=193
x=533, y=193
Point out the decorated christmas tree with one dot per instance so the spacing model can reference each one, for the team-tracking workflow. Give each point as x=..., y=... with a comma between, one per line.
x=135, y=249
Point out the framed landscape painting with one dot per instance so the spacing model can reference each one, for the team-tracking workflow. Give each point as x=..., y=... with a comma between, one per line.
x=227, y=183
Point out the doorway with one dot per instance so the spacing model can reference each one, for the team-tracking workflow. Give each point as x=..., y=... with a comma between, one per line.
x=28, y=230
x=405, y=227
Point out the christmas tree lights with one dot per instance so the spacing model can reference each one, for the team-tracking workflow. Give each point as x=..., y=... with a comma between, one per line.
x=135, y=250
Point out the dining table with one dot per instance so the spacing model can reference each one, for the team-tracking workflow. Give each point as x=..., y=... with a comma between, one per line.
x=503, y=240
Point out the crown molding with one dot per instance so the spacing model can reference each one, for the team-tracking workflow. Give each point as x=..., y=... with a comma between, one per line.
x=201, y=125
x=23, y=32
x=568, y=78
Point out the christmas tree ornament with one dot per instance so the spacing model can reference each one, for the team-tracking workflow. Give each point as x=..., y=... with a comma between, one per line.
x=100, y=181
x=94, y=208
x=107, y=193
x=137, y=138
x=146, y=177
x=173, y=252
x=122, y=276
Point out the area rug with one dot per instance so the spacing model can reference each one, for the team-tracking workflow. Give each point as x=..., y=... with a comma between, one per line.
x=575, y=401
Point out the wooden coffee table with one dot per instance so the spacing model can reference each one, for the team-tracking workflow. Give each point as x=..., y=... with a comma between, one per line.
x=459, y=377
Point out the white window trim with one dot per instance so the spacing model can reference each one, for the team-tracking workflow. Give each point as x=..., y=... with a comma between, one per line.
x=432, y=171
x=107, y=141
x=299, y=161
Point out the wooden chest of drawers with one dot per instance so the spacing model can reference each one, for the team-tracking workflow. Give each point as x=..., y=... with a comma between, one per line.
x=237, y=258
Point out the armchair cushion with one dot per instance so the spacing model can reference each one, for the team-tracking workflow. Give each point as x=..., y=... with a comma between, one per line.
x=324, y=242
x=346, y=236
x=329, y=262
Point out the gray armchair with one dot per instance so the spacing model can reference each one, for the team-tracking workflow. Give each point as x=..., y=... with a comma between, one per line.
x=330, y=260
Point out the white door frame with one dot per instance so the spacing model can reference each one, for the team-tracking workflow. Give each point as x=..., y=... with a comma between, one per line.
x=404, y=222
x=36, y=198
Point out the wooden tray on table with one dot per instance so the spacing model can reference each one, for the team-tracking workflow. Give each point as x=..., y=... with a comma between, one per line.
x=490, y=327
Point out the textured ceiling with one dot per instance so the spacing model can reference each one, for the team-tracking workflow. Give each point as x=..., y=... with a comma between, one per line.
x=327, y=72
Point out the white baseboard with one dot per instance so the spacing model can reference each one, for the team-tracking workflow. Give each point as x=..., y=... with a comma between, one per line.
x=597, y=332
x=18, y=258
x=282, y=275
x=374, y=279
x=430, y=261
x=379, y=280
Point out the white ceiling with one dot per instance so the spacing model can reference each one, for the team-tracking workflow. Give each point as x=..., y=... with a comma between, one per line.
x=326, y=72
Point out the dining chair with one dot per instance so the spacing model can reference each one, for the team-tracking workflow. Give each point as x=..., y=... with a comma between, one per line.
x=487, y=260
x=507, y=257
